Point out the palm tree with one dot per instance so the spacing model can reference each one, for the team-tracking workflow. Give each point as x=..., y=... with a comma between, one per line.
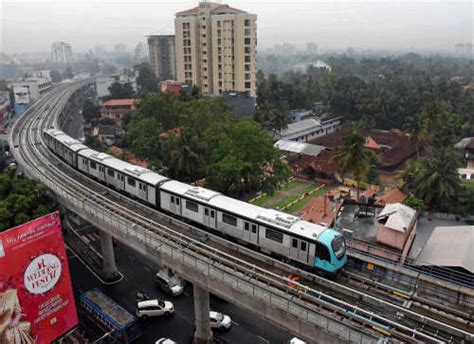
x=416, y=128
x=184, y=156
x=437, y=181
x=353, y=158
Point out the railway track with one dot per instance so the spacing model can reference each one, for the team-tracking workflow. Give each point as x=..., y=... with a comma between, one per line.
x=362, y=310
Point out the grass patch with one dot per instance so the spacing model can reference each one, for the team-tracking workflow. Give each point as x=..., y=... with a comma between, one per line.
x=301, y=203
x=289, y=186
x=294, y=197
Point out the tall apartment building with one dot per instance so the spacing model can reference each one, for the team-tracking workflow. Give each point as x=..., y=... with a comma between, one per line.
x=161, y=55
x=61, y=52
x=216, y=48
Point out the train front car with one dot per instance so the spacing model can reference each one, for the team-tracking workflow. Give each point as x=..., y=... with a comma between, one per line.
x=330, y=252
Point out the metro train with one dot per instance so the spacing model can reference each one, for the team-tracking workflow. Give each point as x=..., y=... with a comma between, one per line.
x=305, y=244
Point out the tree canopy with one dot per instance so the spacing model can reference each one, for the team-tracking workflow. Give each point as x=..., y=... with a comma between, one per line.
x=121, y=91
x=199, y=139
x=21, y=200
x=146, y=79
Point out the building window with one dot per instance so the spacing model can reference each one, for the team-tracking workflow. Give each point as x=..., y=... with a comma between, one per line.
x=247, y=76
x=131, y=182
x=273, y=235
x=247, y=59
x=218, y=23
x=247, y=50
x=247, y=68
x=229, y=219
x=247, y=40
x=247, y=84
x=192, y=206
x=247, y=22
x=247, y=32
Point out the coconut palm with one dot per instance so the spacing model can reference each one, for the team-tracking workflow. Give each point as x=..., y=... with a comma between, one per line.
x=437, y=181
x=353, y=158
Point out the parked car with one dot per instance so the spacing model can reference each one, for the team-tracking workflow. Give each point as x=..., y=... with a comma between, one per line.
x=165, y=341
x=170, y=285
x=219, y=320
x=154, y=308
x=296, y=340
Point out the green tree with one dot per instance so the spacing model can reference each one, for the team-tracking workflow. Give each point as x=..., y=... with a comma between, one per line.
x=353, y=158
x=121, y=91
x=90, y=111
x=416, y=128
x=436, y=179
x=146, y=81
x=56, y=76
x=273, y=117
x=21, y=200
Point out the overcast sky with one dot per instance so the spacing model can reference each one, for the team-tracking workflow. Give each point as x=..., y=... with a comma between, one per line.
x=32, y=25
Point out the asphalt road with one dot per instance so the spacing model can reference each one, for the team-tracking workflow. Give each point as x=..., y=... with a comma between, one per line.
x=139, y=276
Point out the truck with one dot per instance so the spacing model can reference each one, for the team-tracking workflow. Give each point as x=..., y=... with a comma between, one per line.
x=120, y=326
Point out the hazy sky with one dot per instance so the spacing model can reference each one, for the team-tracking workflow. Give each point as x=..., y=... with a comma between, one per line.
x=32, y=25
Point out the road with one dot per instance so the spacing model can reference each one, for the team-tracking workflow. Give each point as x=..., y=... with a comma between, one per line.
x=139, y=275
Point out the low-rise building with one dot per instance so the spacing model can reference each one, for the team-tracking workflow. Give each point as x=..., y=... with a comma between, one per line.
x=467, y=147
x=396, y=223
x=116, y=109
x=301, y=114
x=109, y=134
x=5, y=108
x=240, y=103
x=309, y=129
x=172, y=86
x=35, y=88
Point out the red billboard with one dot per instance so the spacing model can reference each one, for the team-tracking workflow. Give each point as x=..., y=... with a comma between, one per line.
x=36, y=297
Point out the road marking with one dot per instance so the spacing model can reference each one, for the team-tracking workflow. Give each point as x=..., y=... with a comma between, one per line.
x=235, y=323
x=263, y=339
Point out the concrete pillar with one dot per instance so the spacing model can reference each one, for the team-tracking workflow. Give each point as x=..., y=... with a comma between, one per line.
x=108, y=256
x=202, y=334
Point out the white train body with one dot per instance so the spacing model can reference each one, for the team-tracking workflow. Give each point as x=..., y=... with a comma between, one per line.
x=268, y=230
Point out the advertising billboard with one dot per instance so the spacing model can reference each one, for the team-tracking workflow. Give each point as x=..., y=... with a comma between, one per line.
x=21, y=94
x=36, y=297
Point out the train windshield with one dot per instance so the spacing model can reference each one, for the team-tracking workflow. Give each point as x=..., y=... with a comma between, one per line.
x=339, y=246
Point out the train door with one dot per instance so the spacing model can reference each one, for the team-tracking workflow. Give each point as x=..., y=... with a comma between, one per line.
x=253, y=233
x=175, y=204
x=303, y=251
x=294, y=248
x=210, y=218
x=246, y=231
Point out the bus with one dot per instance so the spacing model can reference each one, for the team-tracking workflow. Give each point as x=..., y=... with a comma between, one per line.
x=120, y=325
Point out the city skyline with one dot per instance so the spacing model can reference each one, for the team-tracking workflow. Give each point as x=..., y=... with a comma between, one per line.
x=378, y=25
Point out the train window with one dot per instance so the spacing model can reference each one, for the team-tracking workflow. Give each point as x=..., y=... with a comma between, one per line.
x=212, y=213
x=294, y=243
x=254, y=229
x=229, y=219
x=140, y=186
x=246, y=226
x=192, y=206
x=121, y=178
x=111, y=173
x=322, y=252
x=93, y=165
x=177, y=200
x=172, y=199
x=206, y=211
x=131, y=182
x=273, y=235
x=303, y=246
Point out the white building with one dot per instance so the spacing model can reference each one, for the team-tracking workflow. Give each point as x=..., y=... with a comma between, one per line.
x=102, y=84
x=309, y=129
x=34, y=88
x=61, y=53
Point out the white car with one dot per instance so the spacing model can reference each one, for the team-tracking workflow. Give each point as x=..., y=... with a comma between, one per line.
x=154, y=308
x=165, y=341
x=296, y=340
x=219, y=320
x=170, y=285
